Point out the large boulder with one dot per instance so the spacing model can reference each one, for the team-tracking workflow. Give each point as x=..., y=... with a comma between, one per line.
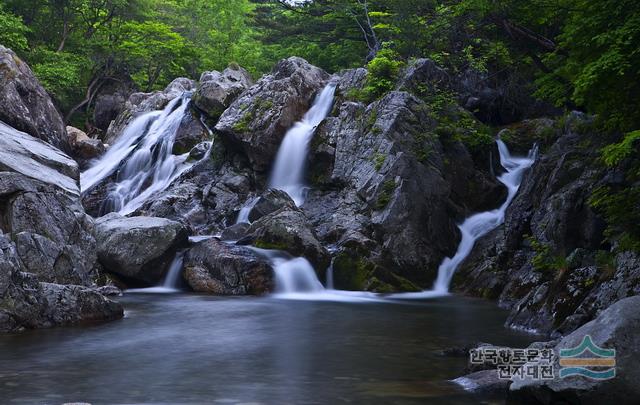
x=257, y=120
x=617, y=327
x=26, y=303
x=138, y=249
x=26, y=106
x=381, y=192
x=269, y=201
x=41, y=210
x=288, y=229
x=219, y=268
x=216, y=91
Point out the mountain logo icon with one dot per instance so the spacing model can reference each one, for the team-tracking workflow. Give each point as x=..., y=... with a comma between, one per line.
x=588, y=360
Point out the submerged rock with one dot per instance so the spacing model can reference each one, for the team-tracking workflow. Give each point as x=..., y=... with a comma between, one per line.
x=215, y=267
x=26, y=106
x=139, y=249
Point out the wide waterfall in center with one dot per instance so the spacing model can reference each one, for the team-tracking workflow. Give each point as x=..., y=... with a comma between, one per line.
x=141, y=159
x=288, y=170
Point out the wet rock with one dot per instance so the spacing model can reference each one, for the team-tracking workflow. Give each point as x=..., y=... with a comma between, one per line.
x=618, y=327
x=235, y=232
x=484, y=382
x=190, y=133
x=270, y=201
x=26, y=303
x=288, y=229
x=218, y=268
x=26, y=106
x=521, y=137
x=387, y=183
x=216, y=91
x=550, y=219
x=257, y=121
x=139, y=249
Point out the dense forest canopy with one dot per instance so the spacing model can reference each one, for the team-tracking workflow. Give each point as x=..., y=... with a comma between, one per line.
x=577, y=53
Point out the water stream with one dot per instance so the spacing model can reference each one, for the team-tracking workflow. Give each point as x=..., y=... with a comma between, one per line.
x=141, y=159
x=288, y=169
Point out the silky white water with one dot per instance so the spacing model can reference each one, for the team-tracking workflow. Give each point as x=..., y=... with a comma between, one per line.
x=243, y=215
x=480, y=224
x=288, y=170
x=296, y=279
x=142, y=159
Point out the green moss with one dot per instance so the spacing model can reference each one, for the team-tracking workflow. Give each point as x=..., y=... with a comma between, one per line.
x=545, y=260
x=386, y=192
x=351, y=273
x=263, y=244
x=379, y=159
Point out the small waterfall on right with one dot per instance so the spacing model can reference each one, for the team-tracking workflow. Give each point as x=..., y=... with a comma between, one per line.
x=478, y=225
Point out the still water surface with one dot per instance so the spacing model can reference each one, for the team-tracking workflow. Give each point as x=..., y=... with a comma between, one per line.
x=194, y=349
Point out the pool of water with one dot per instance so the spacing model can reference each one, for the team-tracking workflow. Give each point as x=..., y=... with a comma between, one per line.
x=194, y=349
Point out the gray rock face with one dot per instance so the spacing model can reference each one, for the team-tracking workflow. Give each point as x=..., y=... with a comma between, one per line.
x=26, y=105
x=288, y=229
x=382, y=192
x=550, y=220
x=216, y=91
x=26, y=303
x=257, y=121
x=42, y=212
x=617, y=327
x=139, y=249
x=207, y=197
x=215, y=267
x=270, y=201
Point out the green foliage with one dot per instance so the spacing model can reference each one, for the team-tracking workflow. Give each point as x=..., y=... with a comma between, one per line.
x=621, y=209
x=615, y=153
x=62, y=74
x=544, y=259
x=379, y=159
x=13, y=32
x=382, y=74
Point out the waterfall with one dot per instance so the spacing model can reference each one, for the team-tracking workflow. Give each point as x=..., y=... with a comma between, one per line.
x=288, y=170
x=142, y=159
x=243, y=215
x=478, y=225
x=172, y=279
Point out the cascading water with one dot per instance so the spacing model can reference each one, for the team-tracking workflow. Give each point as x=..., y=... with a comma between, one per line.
x=142, y=159
x=171, y=281
x=243, y=215
x=288, y=170
x=480, y=224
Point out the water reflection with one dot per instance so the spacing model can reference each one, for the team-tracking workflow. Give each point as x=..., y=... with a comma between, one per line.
x=197, y=349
